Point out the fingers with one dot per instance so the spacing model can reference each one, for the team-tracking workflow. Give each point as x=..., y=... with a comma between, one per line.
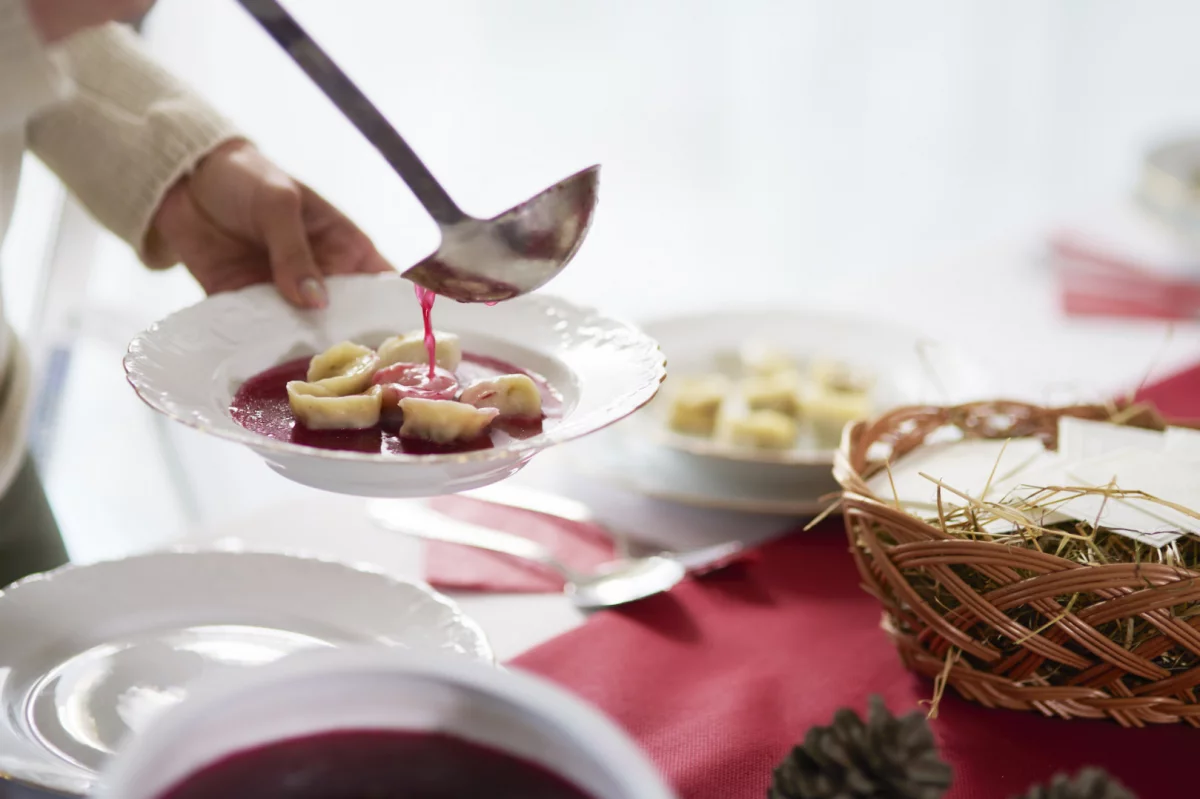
x=374, y=263
x=246, y=196
x=218, y=261
x=347, y=251
x=280, y=219
x=341, y=247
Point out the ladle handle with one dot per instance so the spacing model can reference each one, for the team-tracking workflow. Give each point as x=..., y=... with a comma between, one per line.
x=350, y=100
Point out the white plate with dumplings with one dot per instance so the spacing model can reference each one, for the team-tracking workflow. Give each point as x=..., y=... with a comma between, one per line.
x=344, y=399
x=760, y=398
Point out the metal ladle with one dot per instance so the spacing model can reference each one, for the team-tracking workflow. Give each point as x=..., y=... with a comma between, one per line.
x=479, y=260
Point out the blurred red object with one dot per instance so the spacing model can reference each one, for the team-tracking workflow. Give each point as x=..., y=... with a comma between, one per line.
x=1095, y=282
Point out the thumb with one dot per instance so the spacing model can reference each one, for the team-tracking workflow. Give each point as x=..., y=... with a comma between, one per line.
x=279, y=216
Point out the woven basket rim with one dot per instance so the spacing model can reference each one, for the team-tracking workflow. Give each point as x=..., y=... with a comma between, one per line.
x=1069, y=667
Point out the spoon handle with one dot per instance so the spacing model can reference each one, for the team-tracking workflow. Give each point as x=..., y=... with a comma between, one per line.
x=413, y=519
x=350, y=100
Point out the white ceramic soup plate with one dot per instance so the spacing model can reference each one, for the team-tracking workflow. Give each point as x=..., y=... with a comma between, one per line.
x=92, y=653
x=907, y=368
x=189, y=366
x=374, y=689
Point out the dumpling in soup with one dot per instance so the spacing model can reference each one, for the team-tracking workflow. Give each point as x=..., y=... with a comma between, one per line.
x=514, y=396
x=410, y=348
x=316, y=407
x=414, y=380
x=344, y=368
x=444, y=421
x=402, y=380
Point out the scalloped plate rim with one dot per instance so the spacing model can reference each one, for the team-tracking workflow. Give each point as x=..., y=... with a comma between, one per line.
x=633, y=401
x=71, y=781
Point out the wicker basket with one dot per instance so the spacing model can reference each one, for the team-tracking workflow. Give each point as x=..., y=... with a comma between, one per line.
x=1063, y=666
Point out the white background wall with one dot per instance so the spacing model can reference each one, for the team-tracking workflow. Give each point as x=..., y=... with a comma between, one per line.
x=802, y=141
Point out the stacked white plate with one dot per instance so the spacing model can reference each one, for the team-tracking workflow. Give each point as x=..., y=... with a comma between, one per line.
x=91, y=653
x=642, y=454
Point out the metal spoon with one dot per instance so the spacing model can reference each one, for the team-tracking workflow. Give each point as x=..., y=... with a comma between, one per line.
x=614, y=584
x=479, y=260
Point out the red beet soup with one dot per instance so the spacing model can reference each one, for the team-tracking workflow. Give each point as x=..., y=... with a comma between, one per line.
x=261, y=406
x=374, y=765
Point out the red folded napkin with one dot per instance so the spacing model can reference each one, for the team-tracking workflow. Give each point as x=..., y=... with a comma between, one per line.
x=1096, y=279
x=458, y=568
x=722, y=676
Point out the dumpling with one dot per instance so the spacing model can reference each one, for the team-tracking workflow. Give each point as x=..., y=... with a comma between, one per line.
x=402, y=380
x=841, y=378
x=344, y=368
x=318, y=408
x=842, y=395
x=761, y=430
x=514, y=396
x=444, y=421
x=410, y=348
x=761, y=359
x=414, y=380
x=697, y=404
x=830, y=411
x=778, y=392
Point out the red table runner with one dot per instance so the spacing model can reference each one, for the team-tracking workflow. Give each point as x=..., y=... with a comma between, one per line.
x=721, y=677
x=1177, y=396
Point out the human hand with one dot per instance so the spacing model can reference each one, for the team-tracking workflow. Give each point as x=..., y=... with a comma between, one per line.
x=57, y=19
x=240, y=220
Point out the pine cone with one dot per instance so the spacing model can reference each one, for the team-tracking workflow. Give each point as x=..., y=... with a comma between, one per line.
x=884, y=758
x=1090, y=783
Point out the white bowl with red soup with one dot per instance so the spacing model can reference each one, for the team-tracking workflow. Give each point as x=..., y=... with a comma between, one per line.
x=385, y=393
x=381, y=723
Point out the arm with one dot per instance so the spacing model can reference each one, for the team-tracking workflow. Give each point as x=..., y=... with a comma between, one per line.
x=127, y=134
x=32, y=76
x=165, y=172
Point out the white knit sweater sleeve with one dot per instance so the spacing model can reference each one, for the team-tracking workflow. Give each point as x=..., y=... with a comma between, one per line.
x=127, y=132
x=31, y=74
